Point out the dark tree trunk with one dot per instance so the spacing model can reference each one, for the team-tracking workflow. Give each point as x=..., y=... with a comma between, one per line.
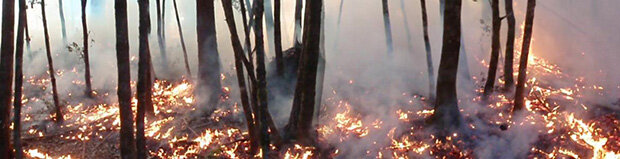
x=446, y=110
x=145, y=84
x=387, y=26
x=305, y=89
x=128, y=146
x=261, y=85
x=208, y=57
x=160, y=34
x=89, y=88
x=50, y=62
x=488, y=87
x=19, y=79
x=429, y=55
x=510, y=46
x=525, y=50
x=238, y=51
x=278, y=38
x=6, y=75
x=176, y=11
x=62, y=21
x=297, y=33
x=246, y=29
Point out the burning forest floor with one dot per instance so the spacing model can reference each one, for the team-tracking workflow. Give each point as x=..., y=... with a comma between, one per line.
x=559, y=123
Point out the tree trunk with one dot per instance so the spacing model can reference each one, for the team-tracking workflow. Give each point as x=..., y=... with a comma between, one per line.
x=128, y=146
x=145, y=84
x=488, y=87
x=208, y=58
x=59, y=117
x=238, y=51
x=510, y=45
x=297, y=33
x=176, y=11
x=62, y=22
x=19, y=79
x=261, y=85
x=89, y=88
x=306, y=82
x=429, y=55
x=6, y=75
x=387, y=26
x=278, y=38
x=160, y=35
x=446, y=110
x=246, y=29
x=525, y=50
x=406, y=23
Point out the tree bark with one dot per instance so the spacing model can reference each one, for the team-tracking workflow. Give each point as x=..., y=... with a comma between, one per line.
x=87, y=79
x=6, y=75
x=128, y=146
x=59, y=117
x=490, y=83
x=62, y=21
x=261, y=85
x=145, y=84
x=525, y=50
x=238, y=52
x=278, y=38
x=510, y=44
x=429, y=55
x=19, y=79
x=387, y=26
x=208, y=57
x=176, y=11
x=446, y=110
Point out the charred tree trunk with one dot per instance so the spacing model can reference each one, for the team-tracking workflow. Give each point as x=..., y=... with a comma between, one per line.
x=145, y=84
x=297, y=33
x=160, y=34
x=87, y=79
x=128, y=146
x=278, y=38
x=490, y=83
x=510, y=45
x=429, y=55
x=50, y=62
x=6, y=75
x=261, y=85
x=305, y=89
x=525, y=50
x=238, y=51
x=387, y=26
x=176, y=11
x=246, y=29
x=62, y=22
x=19, y=79
x=446, y=110
x=208, y=57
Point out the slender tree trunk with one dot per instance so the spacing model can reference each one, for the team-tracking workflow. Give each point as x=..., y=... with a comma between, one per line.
x=89, y=88
x=429, y=55
x=19, y=79
x=297, y=34
x=145, y=84
x=307, y=73
x=246, y=29
x=336, y=38
x=261, y=85
x=128, y=145
x=238, y=51
x=59, y=117
x=446, y=110
x=208, y=57
x=525, y=50
x=269, y=25
x=62, y=22
x=488, y=87
x=160, y=34
x=6, y=75
x=387, y=26
x=406, y=23
x=27, y=36
x=278, y=38
x=510, y=43
x=176, y=11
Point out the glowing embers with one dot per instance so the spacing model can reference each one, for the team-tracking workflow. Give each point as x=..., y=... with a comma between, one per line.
x=344, y=124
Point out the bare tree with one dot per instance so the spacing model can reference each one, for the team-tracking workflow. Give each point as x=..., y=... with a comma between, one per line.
x=278, y=38
x=19, y=79
x=208, y=56
x=446, y=110
x=145, y=84
x=297, y=34
x=176, y=11
x=490, y=83
x=387, y=26
x=50, y=62
x=160, y=34
x=246, y=29
x=510, y=46
x=128, y=145
x=429, y=55
x=6, y=75
x=525, y=50
x=261, y=81
x=87, y=78
x=62, y=21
